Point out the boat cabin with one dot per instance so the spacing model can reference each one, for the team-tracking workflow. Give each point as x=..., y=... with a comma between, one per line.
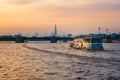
x=87, y=43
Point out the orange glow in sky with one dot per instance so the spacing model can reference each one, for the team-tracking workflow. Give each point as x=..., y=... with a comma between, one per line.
x=71, y=16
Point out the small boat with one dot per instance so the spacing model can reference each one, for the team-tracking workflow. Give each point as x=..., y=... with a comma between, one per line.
x=87, y=43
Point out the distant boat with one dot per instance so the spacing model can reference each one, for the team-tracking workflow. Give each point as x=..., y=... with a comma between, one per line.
x=87, y=44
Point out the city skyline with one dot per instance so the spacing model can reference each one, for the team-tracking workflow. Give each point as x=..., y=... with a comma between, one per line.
x=71, y=16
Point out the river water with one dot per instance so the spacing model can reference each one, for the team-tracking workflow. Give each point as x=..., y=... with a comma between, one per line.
x=46, y=61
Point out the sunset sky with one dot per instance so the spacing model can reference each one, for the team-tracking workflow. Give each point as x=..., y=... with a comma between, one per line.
x=71, y=16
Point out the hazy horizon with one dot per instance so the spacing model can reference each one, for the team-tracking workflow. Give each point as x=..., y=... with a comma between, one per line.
x=71, y=16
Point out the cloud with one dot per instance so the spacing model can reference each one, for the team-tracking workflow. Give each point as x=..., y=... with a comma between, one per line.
x=68, y=8
x=22, y=2
x=78, y=9
x=103, y=7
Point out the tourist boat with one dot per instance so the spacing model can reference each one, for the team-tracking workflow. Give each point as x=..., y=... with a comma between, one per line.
x=87, y=43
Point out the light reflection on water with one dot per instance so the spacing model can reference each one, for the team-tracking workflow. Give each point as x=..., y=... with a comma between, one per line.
x=107, y=46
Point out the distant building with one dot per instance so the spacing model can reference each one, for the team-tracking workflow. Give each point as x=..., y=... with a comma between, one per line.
x=91, y=35
x=98, y=35
x=53, y=38
x=69, y=35
x=55, y=31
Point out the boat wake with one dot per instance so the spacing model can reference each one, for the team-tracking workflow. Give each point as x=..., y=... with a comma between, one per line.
x=86, y=58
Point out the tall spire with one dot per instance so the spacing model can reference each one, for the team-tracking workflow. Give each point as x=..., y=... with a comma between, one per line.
x=99, y=30
x=55, y=31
